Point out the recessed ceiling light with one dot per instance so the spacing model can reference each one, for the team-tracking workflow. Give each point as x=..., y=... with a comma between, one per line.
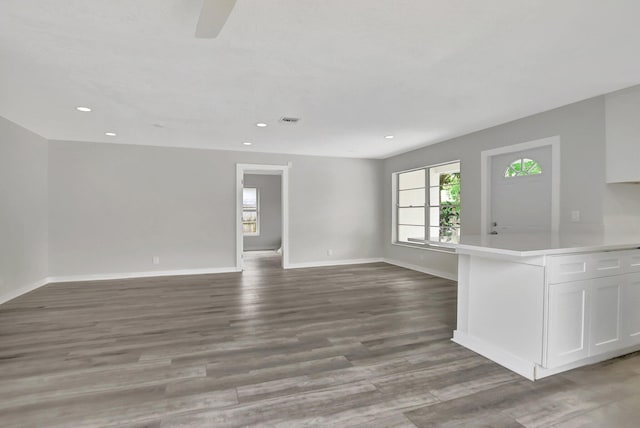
x=389, y=137
x=246, y=143
x=110, y=134
x=85, y=109
x=261, y=125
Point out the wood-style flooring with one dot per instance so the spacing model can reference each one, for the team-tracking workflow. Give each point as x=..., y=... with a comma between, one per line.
x=351, y=346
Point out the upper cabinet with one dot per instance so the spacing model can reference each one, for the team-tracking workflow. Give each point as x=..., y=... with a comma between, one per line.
x=623, y=135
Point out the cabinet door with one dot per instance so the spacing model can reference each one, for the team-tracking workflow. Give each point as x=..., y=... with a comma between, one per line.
x=605, y=316
x=567, y=339
x=622, y=134
x=631, y=309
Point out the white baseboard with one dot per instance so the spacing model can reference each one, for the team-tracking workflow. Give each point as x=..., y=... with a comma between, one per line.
x=429, y=271
x=516, y=364
x=325, y=263
x=542, y=372
x=23, y=290
x=105, y=276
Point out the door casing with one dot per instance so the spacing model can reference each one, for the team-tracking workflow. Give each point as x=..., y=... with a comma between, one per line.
x=485, y=179
x=283, y=171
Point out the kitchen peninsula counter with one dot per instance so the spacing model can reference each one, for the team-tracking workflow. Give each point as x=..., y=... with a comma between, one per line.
x=540, y=304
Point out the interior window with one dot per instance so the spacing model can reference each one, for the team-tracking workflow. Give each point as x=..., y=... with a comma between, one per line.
x=250, y=211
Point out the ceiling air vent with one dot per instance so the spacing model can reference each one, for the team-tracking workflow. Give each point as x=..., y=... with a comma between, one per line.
x=290, y=120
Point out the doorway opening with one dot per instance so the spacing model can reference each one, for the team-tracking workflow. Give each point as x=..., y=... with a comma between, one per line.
x=262, y=217
x=520, y=188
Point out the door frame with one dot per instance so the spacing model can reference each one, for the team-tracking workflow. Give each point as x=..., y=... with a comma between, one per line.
x=485, y=178
x=283, y=171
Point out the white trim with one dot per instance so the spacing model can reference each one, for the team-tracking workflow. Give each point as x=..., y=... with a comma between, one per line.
x=485, y=172
x=542, y=372
x=325, y=263
x=394, y=211
x=427, y=207
x=23, y=290
x=516, y=364
x=106, y=276
x=282, y=170
x=429, y=247
x=428, y=271
x=126, y=275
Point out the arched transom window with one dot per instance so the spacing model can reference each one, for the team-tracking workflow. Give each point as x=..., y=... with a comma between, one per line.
x=522, y=167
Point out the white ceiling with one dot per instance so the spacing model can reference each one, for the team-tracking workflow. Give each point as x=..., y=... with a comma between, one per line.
x=353, y=70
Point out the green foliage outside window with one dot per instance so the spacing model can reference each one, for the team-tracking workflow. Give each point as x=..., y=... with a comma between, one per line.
x=449, y=202
x=523, y=167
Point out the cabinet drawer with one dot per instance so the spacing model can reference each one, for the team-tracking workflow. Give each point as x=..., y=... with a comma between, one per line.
x=632, y=261
x=567, y=268
x=589, y=265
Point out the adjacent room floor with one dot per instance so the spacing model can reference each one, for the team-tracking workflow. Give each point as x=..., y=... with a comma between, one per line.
x=261, y=260
x=361, y=345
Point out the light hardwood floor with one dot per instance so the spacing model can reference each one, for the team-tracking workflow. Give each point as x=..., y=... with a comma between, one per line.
x=362, y=345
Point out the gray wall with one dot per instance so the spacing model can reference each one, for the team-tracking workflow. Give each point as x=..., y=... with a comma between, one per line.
x=581, y=127
x=111, y=208
x=23, y=209
x=270, y=201
x=114, y=207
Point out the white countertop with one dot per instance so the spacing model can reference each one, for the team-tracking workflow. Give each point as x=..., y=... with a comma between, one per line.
x=540, y=244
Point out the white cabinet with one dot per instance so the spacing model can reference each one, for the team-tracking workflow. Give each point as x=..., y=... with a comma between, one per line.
x=623, y=135
x=631, y=309
x=567, y=333
x=539, y=316
x=596, y=309
x=605, y=314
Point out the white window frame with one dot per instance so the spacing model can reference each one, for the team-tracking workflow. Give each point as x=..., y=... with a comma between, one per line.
x=427, y=206
x=257, y=211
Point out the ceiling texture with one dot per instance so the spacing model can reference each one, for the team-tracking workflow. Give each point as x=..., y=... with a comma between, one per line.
x=353, y=71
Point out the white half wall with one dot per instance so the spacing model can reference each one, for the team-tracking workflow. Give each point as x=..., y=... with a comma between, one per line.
x=23, y=210
x=114, y=207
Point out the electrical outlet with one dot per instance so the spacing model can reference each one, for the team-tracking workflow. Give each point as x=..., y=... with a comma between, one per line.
x=156, y=260
x=329, y=252
x=575, y=215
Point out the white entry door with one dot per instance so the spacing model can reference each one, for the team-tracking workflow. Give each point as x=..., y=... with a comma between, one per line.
x=521, y=193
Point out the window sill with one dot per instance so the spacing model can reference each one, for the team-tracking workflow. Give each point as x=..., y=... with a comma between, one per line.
x=449, y=249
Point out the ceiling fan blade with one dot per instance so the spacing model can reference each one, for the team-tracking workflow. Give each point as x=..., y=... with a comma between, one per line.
x=212, y=17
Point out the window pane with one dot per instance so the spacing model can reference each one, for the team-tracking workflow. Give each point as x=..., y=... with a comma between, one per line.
x=250, y=197
x=433, y=196
x=449, y=215
x=449, y=193
x=434, y=234
x=434, y=216
x=444, y=234
x=408, y=198
x=249, y=216
x=449, y=234
x=406, y=232
x=411, y=180
x=414, y=216
x=523, y=167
